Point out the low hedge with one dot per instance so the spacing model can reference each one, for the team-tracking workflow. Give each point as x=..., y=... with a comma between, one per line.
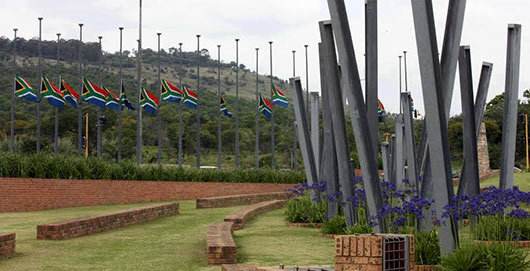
x=72, y=167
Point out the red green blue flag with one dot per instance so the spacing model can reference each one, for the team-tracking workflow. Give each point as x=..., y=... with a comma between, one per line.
x=190, y=98
x=94, y=94
x=265, y=107
x=124, y=100
x=112, y=100
x=49, y=91
x=24, y=90
x=148, y=101
x=70, y=95
x=171, y=93
x=278, y=97
x=222, y=104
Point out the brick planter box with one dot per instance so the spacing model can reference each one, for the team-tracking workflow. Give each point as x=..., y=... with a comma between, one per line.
x=523, y=244
x=228, y=201
x=7, y=245
x=220, y=245
x=366, y=252
x=241, y=216
x=84, y=226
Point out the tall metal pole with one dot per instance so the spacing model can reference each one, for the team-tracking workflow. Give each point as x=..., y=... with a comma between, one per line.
x=371, y=87
x=12, y=122
x=121, y=88
x=400, y=84
x=509, y=125
x=405, y=68
x=40, y=82
x=273, y=163
x=295, y=137
x=139, y=141
x=80, y=100
x=198, y=110
x=219, y=140
x=256, y=149
x=306, y=80
x=527, y=153
x=180, y=107
x=56, y=128
x=158, y=116
x=237, y=103
x=98, y=121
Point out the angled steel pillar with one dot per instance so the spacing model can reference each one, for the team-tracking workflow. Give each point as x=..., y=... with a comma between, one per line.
x=410, y=144
x=330, y=72
x=371, y=69
x=303, y=131
x=509, y=123
x=351, y=84
x=385, y=151
x=480, y=103
x=315, y=125
x=397, y=155
x=328, y=170
x=435, y=115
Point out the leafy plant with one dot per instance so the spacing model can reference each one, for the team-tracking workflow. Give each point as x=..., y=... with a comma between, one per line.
x=302, y=210
x=336, y=225
x=359, y=228
x=470, y=257
x=427, y=248
x=505, y=257
x=494, y=257
x=502, y=228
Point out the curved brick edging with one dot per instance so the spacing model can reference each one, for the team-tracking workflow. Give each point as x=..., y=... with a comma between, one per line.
x=229, y=201
x=7, y=245
x=523, y=244
x=84, y=226
x=25, y=194
x=241, y=216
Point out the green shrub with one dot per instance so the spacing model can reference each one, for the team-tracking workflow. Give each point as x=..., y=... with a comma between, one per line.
x=336, y=225
x=45, y=165
x=479, y=257
x=359, y=228
x=505, y=257
x=502, y=228
x=427, y=248
x=302, y=210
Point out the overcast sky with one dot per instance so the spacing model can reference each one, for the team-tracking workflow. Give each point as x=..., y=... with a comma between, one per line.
x=290, y=24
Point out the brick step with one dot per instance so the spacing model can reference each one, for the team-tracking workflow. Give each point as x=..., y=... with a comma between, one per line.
x=7, y=245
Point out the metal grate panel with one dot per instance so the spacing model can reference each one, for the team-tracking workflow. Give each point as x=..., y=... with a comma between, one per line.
x=395, y=253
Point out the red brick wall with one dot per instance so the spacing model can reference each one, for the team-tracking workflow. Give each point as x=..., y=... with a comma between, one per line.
x=84, y=226
x=19, y=194
x=7, y=245
x=228, y=201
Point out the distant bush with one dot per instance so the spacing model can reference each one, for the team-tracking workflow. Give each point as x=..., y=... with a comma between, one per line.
x=45, y=165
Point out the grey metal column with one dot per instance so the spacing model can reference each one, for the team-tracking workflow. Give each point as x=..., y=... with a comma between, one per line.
x=80, y=100
x=180, y=107
x=198, y=109
x=303, y=132
x=435, y=115
x=405, y=69
x=307, y=78
x=351, y=83
x=385, y=152
x=330, y=71
x=139, y=141
x=219, y=140
x=256, y=149
x=40, y=83
x=398, y=154
x=392, y=160
x=12, y=110
x=315, y=126
x=509, y=123
x=56, y=125
x=471, y=178
x=120, y=126
x=98, y=120
x=273, y=162
x=328, y=163
x=237, y=103
x=371, y=70
x=410, y=142
x=158, y=113
x=295, y=137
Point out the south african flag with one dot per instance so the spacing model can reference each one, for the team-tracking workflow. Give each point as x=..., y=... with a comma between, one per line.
x=222, y=104
x=265, y=107
x=278, y=97
x=148, y=101
x=112, y=101
x=70, y=95
x=190, y=98
x=49, y=91
x=124, y=100
x=23, y=90
x=94, y=94
x=171, y=93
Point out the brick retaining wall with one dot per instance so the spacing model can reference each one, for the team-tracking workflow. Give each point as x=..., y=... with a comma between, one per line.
x=241, y=216
x=220, y=245
x=228, y=201
x=20, y=194
x=7, y=245
x=84, y=226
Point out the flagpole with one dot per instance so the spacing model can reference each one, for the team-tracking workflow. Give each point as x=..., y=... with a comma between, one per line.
x=405, y=66
x=121, y=102
x=158, y=116
x=98, y=120
x=256, y=150
x=12, y=123
x=80, y=100
x=56, y=130
x=272, y=114
x=219, y=140
x=40, y=81
x=198, y=110
x=400, y=87
x=306, y=80
x=295, y=138
x=139, y=119
x=237, y=103
x=180, y=107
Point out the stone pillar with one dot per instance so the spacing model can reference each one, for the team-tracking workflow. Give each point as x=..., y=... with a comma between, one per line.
x=483, y=155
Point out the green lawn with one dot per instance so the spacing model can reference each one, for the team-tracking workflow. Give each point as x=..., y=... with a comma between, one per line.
x=171, y=243
x=521, y=179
